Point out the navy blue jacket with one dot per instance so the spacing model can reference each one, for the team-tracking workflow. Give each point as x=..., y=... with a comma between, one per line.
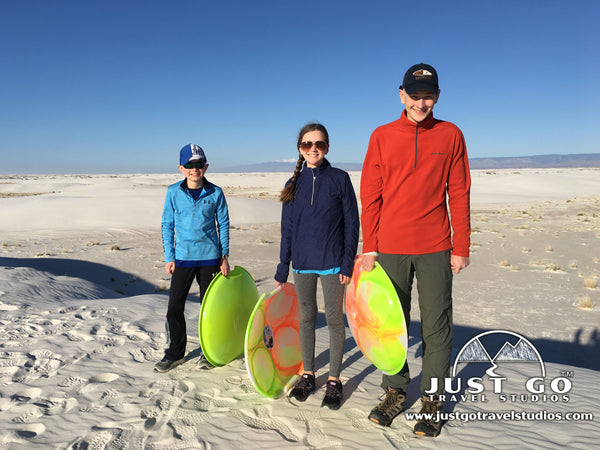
x=319, y=229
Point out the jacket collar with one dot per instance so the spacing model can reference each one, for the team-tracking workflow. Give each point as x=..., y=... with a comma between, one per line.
x=206, y=185
x=316, y=170
x=427, y=123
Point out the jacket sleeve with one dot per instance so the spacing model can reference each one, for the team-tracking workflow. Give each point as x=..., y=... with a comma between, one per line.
x=167, y=225
x=285, y=248
x=223, y=223
x=459, y=188
x=351, y=228
x=371, y=188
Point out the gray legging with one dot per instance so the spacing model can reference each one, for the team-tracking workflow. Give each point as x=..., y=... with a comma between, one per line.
x=333, y=293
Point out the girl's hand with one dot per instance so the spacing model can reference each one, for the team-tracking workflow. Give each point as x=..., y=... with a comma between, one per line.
x=344, y=279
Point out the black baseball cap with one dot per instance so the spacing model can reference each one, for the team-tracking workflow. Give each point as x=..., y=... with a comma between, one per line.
x=420, y=77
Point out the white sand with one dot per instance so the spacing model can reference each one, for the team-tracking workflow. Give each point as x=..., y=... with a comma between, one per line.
x=83, y=299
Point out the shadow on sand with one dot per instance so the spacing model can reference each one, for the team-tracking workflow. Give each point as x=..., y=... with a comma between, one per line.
x=114, y=279
x=572, y=355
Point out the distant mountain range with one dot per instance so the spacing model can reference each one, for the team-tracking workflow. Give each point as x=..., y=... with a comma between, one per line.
x=539, y=161
x=510, y=162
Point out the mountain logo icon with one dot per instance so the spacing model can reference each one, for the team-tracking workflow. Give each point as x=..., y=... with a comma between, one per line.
x=505, y=346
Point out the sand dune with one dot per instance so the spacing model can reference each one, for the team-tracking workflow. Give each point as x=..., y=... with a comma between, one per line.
x=83, y=299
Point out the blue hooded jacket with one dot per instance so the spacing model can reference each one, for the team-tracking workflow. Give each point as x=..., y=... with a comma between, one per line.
x=202, y=225
x=319, y=228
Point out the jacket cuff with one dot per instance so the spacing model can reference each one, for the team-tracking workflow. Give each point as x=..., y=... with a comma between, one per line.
x=281, y=275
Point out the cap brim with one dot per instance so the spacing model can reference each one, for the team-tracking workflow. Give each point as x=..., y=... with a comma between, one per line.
x=416, y=87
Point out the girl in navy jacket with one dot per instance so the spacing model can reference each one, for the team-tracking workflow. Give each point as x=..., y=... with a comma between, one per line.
x=319, y=236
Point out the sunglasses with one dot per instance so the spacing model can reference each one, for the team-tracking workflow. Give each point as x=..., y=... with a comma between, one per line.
x=307, y=145
x=194, y=165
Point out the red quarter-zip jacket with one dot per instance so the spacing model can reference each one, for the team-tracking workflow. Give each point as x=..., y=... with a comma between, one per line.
x=412, y=175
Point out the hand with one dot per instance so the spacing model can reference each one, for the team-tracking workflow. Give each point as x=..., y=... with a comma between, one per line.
x=457, y=263
x=277, y=284
x=368, y=262
x=344, y=279
x=225, y=267
x=170, y=267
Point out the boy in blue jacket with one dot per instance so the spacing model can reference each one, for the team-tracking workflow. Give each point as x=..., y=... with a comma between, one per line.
x=196, y=211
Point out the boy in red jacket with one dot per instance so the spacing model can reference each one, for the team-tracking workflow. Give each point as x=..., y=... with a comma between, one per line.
x=416, y=168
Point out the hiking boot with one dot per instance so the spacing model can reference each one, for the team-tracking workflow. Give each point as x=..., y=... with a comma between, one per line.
x=429, y=426
x=333, y=395
x=391, y=405
x=164, y=365
x=303, y=389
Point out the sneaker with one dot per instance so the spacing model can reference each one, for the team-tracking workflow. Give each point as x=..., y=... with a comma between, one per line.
x=333, y=395
x=203, y=363
x=391, y=405
x=164, y=365
x=303, y=389
x=432, y=426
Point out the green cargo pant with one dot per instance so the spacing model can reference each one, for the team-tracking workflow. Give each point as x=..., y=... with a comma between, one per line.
x=434, y=288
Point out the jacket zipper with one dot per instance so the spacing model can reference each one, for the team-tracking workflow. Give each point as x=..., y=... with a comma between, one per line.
x=416, y=145
x=312, y=197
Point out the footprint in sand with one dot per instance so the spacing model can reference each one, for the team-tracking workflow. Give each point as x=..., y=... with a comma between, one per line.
x=243, y=383
x=107, y=344
x=263, y=420
x=95, y=441
x=207, y=401
x=317, y=438
x=69, y=309
x=166, y=405
x=133, y=433
x=72, y=381
x=358, y=419
x=112, y=435
x=400, y=440
x=76, y=336
x=156, y=387
x=133, y=333
x=109, y=397
x=27, y=394
x=42, y=362
x=104, y=377
x=31, y=430
x=29, y=413
x=145, y=354
x=54, y=406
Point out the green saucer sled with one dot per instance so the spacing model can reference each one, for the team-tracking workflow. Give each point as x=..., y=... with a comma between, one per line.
x=224, y=314
x=272, y=345
x=376, y=319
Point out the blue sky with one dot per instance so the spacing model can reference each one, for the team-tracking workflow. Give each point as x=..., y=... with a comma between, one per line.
x=120, y=86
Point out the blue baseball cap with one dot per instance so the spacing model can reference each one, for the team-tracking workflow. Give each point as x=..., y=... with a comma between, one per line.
x=191, y=152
